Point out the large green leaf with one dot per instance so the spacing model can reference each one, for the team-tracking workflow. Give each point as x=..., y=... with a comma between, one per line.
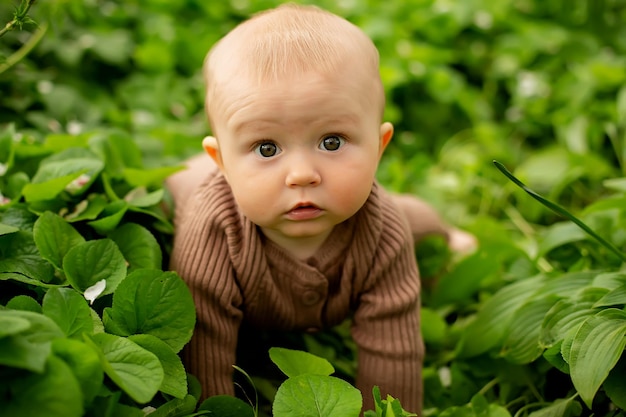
x=47, y=190
x=152, y=302
x=596, y=347
x=69, y=310
x=84, y=362
x=27, y=347
x=135, y=370
x=522, y=342
x=53, y=393
x=310, y=395
x=564, y=316
x=90, y=262
x=19, y=255
x=55, y=237
x=139, y=247
x=175, y=378
x=495, y=316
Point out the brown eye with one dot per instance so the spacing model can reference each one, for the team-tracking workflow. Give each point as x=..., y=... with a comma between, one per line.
x=267, y=149
x=332, y=143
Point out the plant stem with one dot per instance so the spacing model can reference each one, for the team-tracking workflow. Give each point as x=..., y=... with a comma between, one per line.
x=19, y=17
x=488, y=386
x=25, y=49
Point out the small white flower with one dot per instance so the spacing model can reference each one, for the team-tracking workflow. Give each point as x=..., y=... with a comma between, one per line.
x=95, y=290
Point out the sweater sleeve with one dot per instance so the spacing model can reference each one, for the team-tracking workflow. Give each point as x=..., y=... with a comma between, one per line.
x=386, y=329
x=201, y=257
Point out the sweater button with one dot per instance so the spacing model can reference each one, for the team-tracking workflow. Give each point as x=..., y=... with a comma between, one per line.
x=310, y=298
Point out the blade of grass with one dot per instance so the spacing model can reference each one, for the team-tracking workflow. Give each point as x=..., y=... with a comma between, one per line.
x=561, y=211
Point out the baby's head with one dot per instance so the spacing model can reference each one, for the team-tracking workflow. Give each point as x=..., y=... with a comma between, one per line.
x=288, y=41
x=295, y=102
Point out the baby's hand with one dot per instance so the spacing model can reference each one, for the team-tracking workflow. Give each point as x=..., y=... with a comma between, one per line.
x=461, y=242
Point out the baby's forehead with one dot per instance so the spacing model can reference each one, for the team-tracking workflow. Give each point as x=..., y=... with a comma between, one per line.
x=291, y=39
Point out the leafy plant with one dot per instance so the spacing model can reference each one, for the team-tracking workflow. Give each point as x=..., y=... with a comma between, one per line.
x=91, y=324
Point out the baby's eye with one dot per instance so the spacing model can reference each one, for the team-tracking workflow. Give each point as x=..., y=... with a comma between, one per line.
x=267, y=149
x=332, y=143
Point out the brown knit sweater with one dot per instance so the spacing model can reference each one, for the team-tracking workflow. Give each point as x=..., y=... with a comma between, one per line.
x=366, y=267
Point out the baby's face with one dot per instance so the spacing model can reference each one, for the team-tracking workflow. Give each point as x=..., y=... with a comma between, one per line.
x=300, y=154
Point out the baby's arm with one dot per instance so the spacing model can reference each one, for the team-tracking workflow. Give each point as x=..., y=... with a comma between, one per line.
x=386, y=329
x=183, y=183
x=424, y=220
x=200, y=256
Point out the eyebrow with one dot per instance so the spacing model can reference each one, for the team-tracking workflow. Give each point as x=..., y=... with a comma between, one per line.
x=257, y=124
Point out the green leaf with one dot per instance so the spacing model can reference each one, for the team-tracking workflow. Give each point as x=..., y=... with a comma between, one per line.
x=613, y=298
x=92, y=261
x=119, y=150
x=112, y=216
x=24, y=302
x=562, y=318
x=140, y=198
x=554, y=356
x=597, y=346
x=47, y=190
x=139, y=247
x=69, y=310
x=53, y=393
x=175, y=377
x=10, y=325
x=434, y=327
x=29, y=348
x=560, y=408
x=185, y=407
x=135, y=370
x=88, y=209
x=495, y=316
x=152, y=302
x=226, y=406
x=84, y=362
x=54, y=237
x=522, y=342
x=465, y=280
x=5, y=229
x=297, y=362
x=558, y=235
x=310, y=395
x=153, y=177
x=19, y=255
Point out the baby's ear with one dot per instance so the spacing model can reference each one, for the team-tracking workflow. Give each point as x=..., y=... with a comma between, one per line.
x=386, y=133
x=211, y=147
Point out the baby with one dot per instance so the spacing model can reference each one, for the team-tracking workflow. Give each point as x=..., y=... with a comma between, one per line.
x=288, y=229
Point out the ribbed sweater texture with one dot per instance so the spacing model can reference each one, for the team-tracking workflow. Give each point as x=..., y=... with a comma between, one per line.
x=366, y=269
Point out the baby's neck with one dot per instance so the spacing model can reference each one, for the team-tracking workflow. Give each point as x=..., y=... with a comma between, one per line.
x=301, y=248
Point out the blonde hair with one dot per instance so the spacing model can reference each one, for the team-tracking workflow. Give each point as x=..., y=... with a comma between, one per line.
x=290, y=39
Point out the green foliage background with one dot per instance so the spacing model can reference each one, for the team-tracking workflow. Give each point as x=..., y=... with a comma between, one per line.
x=539, y=85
